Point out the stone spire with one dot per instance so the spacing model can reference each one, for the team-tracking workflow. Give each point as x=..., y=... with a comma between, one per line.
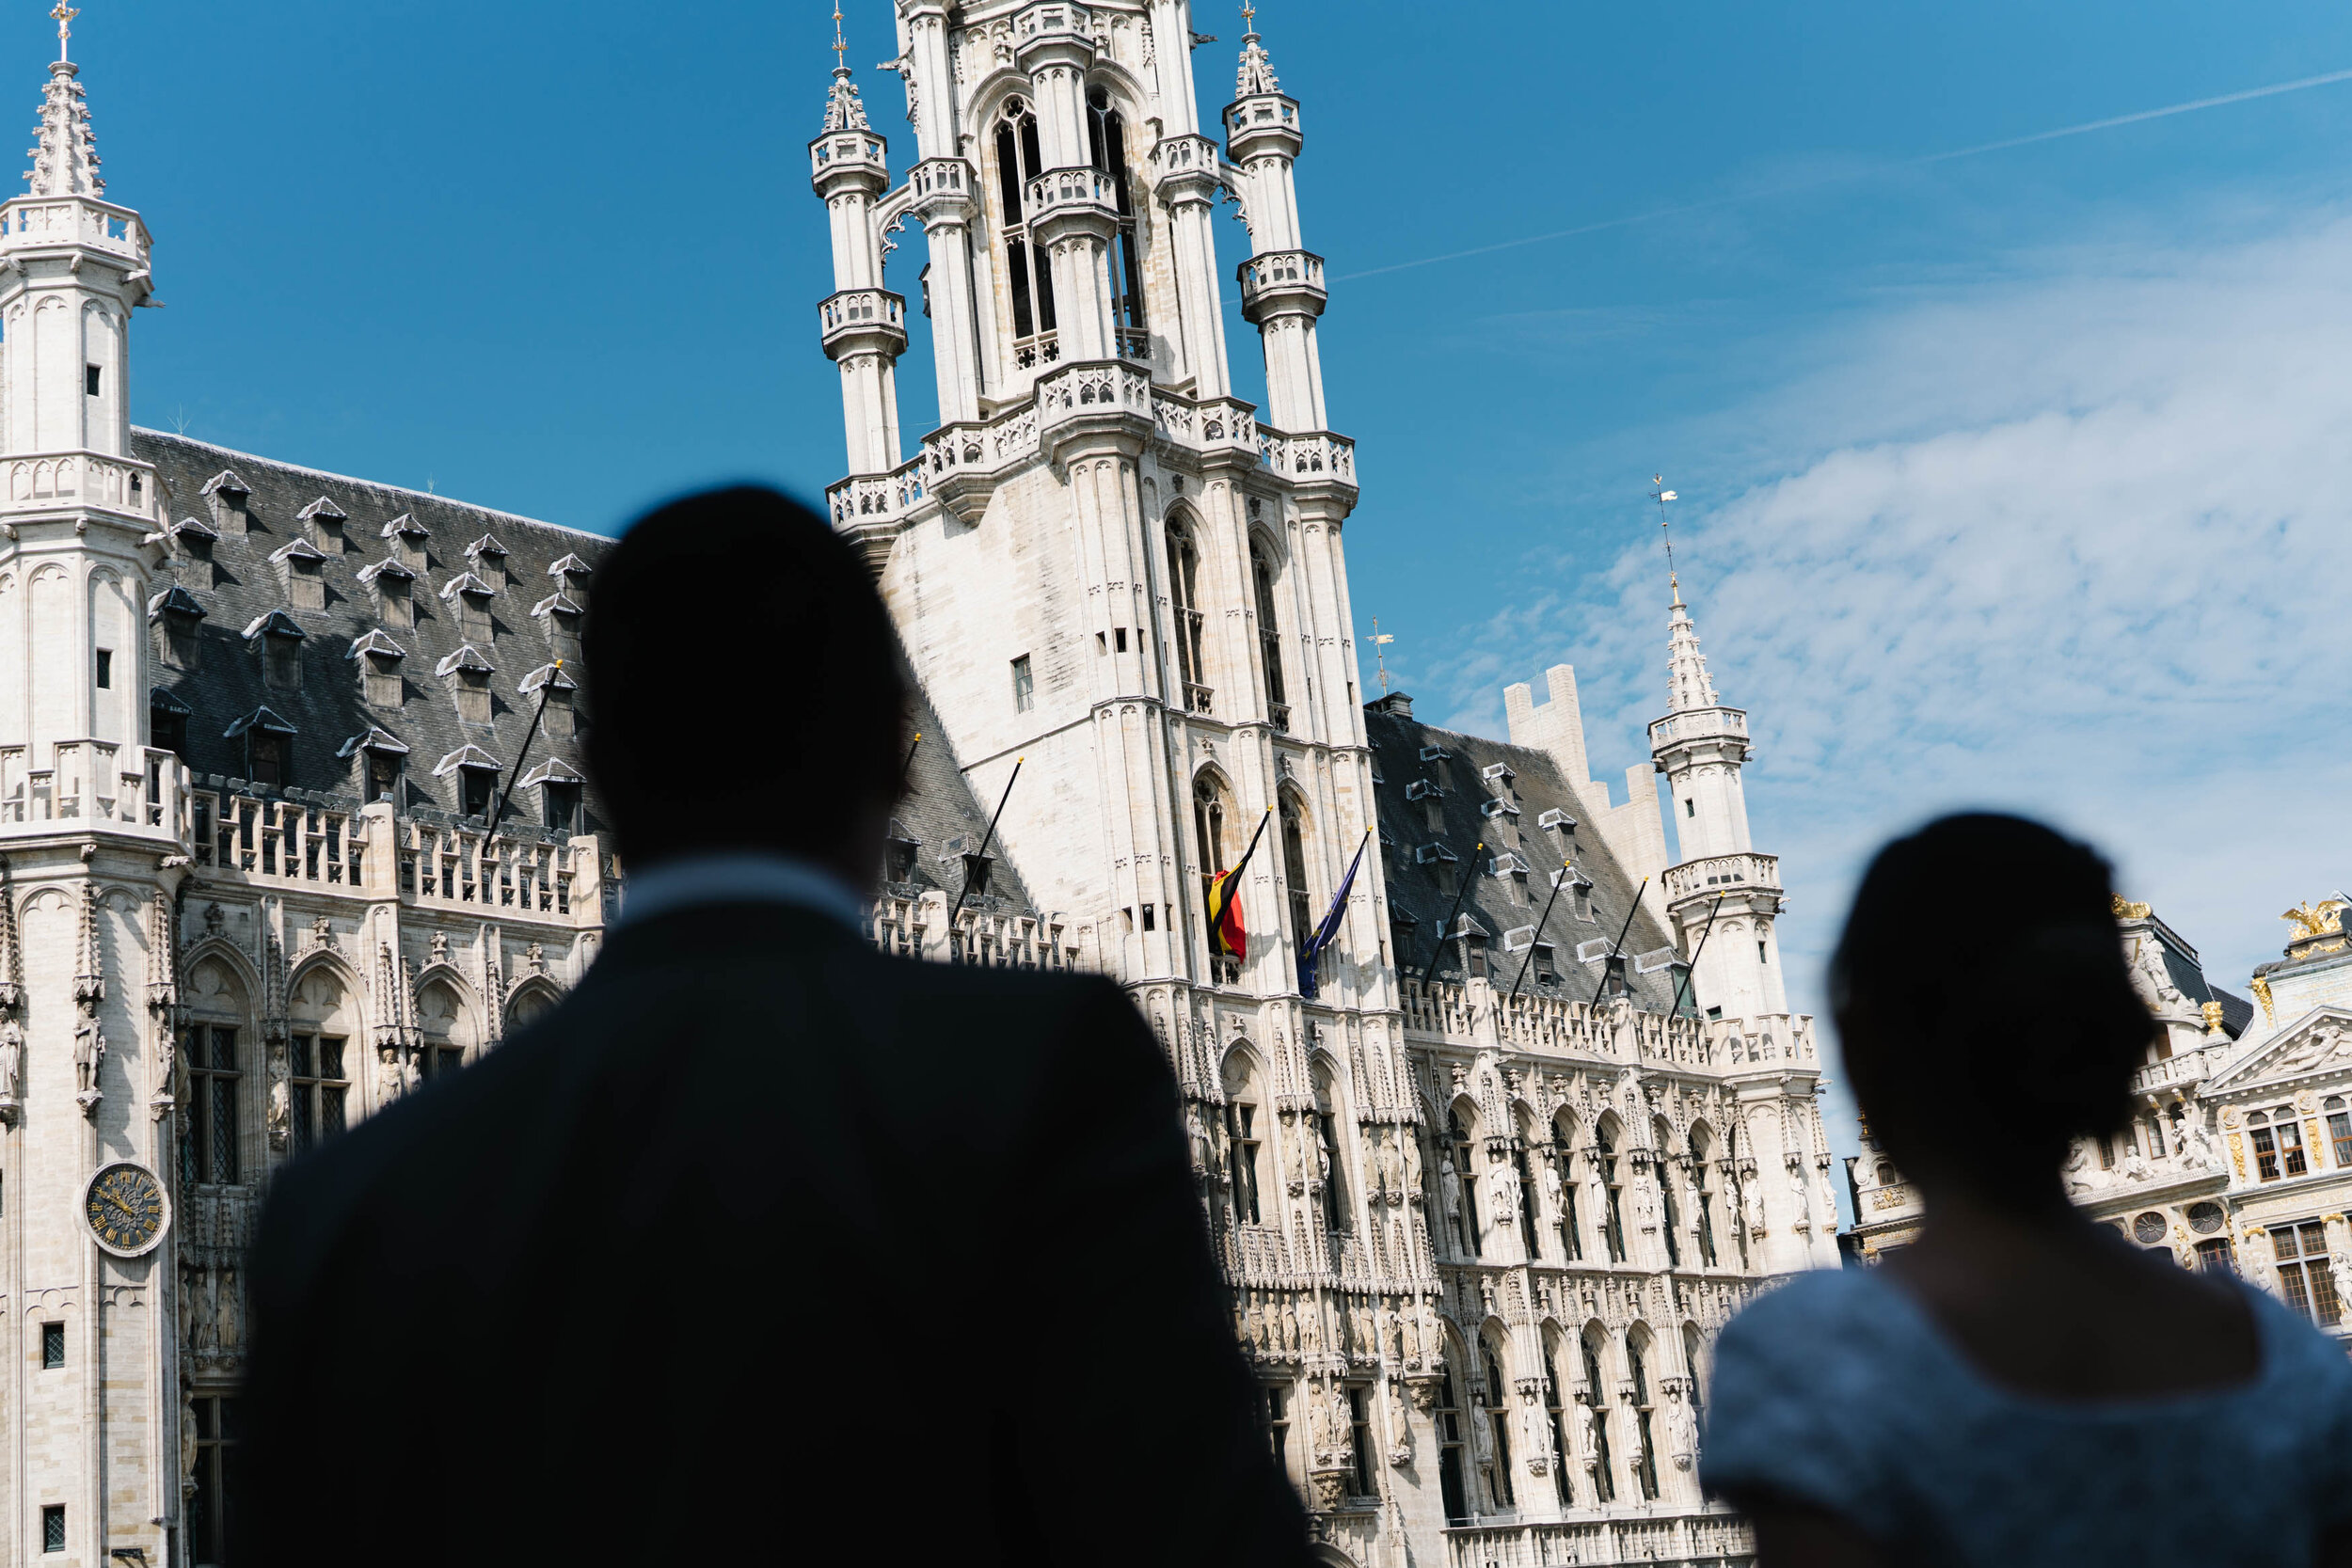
x=1256, y=76
x=1688, y=684
x=65, y=160
x=843, y=110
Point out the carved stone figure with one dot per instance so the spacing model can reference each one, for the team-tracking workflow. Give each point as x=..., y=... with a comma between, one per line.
x=1796, y=1191
x=388, y=1081
x=1502, y=1188
x=1752, y=1206
x=1644, y=1204
x=280, y=1112
x=229, y=1324
x=1450, y=1194
x=1410, y=1323
x=1411, y=1140
x=203, y=1325
x=1400, y=1430
x=1553, y=1196
x=1290, y=1327
x=1682, y=1433
x=11, y=1059
x=1587, y=1434
x=1482, y=1431
x=89, y=1054
x=1385, y=1162
x=187, y=1438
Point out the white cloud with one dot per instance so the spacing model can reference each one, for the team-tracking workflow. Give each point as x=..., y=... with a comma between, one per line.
x=2076, y=541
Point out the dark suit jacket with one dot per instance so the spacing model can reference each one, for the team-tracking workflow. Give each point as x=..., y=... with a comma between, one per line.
x=759, y=1243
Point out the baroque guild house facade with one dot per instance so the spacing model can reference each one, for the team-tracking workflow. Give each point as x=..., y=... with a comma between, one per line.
x=2239, y=1152
x=1491, y=1137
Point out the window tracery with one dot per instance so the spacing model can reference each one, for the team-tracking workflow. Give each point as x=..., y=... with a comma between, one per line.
x=1029, y=274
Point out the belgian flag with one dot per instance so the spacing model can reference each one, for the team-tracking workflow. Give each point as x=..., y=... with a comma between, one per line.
x=1227, y=937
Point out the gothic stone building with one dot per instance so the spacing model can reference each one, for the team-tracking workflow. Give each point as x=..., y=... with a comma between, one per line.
x=292, y=821
x=2239, y=1154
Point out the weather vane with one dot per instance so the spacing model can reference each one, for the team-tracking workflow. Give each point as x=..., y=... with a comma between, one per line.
x=1378, y=643
x=1662, y=496
x=65, y=15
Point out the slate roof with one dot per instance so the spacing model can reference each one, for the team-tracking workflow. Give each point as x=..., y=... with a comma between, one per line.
x=1538, y=787
x=241, y=587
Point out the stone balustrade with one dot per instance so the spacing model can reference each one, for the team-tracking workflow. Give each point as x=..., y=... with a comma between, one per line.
x=1692, y=1538
x=1281, y=276
x=91, y=783
x=1063, y=192
x=856, y=313
x=29, y=223
x=1720, y=873
x=38, y=481
x=1308, y=459
x=1706, y=724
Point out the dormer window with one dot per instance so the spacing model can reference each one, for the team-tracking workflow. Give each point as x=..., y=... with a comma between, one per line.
x=230, y=498
x=301, y=573
x=167, y=723
x=394, y=586
x=382, y=760
x=562, y=617
x=408, y=538
x=556, y=716
x=177, y=611
x=901, y=850
x=323, y=521
x=268, y=743
x=468, y=673
x=279, y=639
x=487, y=558
x=571, y=576
x=477, y=774
x=379, y=659
x=469, y=598
x=559, y=786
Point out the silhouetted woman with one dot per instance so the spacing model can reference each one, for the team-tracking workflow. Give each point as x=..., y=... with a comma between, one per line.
x=2020, y=1385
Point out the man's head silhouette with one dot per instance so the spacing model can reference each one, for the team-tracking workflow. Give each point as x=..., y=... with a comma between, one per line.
x=744, y=687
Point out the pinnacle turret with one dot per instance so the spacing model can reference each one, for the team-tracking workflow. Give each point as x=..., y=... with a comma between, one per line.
x=1688, y=684
x=844, y=110
x=1256, y=76
x=65, y=158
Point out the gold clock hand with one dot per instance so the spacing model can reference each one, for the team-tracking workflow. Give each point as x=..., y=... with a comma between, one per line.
x=119, y=1204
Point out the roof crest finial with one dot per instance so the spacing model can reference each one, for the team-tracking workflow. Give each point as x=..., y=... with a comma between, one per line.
x=64, y=15
x=1662, y=496
x=840, y=44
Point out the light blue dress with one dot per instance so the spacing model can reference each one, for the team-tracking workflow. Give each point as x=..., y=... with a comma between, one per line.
x=1837, y=1389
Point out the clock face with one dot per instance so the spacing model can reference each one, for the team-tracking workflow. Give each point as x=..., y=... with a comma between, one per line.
x=126, y=1208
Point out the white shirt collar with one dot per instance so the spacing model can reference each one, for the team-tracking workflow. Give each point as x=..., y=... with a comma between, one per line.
x=736, y=877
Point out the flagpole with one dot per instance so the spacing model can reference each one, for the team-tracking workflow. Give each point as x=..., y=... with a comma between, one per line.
x=985, y=842
x=1310, y=948
x=547, y=689
x=1616, y=948
x=1231, y=881
x=1568, y=873
x=1689, y=974
x=1431, y=972
x=906, y=768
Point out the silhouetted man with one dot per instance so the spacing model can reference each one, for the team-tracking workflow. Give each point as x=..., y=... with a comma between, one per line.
x=761, y=1244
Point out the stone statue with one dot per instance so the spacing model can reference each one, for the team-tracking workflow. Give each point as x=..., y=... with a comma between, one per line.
x=1752, y=1206
x=281, y=1110
x=1410, y=1323
x=1482, y=1433
x=2077, y=1160
x=1290, y=1327
x=1682, y=1433
x=187, y=1441
x=1385, y=1160
x=388, y=1081
x=2198, y=1149
x=1796, y=1191
x=1449, y=1191
x=89, y=1054
x=231, y=1326
x=1537, y=1422
x=1644, y=1204
x=1553, y=1196
x=1400, y=1430
x=1412, y=1141
x=1503, y=1187
x=1588, y=1433
x=202, y=1324
x=11, y=1059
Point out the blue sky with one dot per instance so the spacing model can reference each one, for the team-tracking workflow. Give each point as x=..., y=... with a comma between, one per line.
x=2013, y=478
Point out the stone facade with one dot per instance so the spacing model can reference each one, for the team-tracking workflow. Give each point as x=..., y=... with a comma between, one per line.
x=292, y=821
x=1490, y=1169
x=2239, y=1155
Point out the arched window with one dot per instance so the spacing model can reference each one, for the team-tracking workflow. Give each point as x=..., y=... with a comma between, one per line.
x=1106, y=143
x=1564, y=1161
x=1662, y=1171
x=209, y=1146
x=1528, y=1188
x=1596, y=1396
x=1703, y=1194
x=1030, y=274
x=1459, y=1144
x=1448, y=1420
x=1327, y=1131
x=1294, y=868
x=1184, y=593
x=318, y=1082
x=1563, y=1425
x=1605, y=1164
x=1693, y=1346
x=1269, y=637
x=1243, y=1138
x=1646, y=1471
x=1499, y=1422
x=1209, y=821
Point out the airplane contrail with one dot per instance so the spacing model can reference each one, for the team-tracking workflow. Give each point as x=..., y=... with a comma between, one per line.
x=2191, y=106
